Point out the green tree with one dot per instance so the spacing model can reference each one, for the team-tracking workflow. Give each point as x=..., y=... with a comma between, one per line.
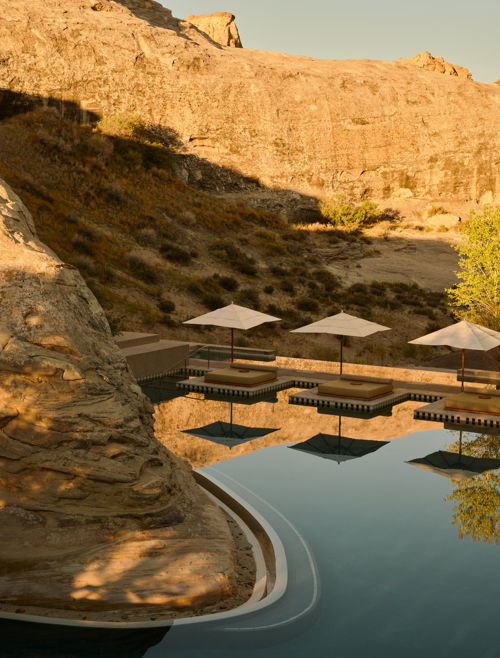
x=477, y=294
x=345, y=214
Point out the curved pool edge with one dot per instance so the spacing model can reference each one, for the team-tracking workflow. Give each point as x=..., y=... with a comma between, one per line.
x=272, y=550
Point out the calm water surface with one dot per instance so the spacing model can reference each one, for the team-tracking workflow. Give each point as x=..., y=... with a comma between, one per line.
x=396, y=579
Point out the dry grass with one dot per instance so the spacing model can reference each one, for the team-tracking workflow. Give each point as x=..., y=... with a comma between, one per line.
x=109, y=204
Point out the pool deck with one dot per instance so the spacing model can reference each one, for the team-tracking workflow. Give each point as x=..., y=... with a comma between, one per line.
x=430, y=392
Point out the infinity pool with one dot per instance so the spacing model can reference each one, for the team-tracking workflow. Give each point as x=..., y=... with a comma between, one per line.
x=395, y=579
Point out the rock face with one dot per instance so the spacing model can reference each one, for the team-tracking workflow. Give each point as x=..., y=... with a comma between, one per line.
x=80, y=469
x=220, y=27
x=425, y=60
x=312, y=127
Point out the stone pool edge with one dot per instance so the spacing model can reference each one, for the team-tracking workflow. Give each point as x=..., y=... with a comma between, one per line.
x=271, y=560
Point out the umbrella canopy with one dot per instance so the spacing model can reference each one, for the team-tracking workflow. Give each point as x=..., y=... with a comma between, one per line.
x=342, y=324
x=233, y=317
x=338, y=448
x=463, y=335
x=454, y=465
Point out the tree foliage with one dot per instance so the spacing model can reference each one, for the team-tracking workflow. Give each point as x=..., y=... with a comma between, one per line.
x=477, y=294
x=477, y=500
x=345, y=214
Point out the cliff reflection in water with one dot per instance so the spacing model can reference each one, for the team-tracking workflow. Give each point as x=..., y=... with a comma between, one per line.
x=296, y=424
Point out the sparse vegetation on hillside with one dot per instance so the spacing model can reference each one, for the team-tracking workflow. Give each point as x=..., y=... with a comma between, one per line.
x=156, y=251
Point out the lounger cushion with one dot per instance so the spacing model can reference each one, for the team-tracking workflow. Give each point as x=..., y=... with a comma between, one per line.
x=239, y=377
x=483, y=403
x=354, y=389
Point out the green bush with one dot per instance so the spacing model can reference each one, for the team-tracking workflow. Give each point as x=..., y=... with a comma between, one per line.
x=345, y=214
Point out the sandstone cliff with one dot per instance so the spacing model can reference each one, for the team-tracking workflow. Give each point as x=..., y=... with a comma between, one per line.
x=425, y=60
x=316, y=127
x=82, y=479
x=220, y=27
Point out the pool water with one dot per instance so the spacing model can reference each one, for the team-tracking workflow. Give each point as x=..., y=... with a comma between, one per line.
x=396, y=580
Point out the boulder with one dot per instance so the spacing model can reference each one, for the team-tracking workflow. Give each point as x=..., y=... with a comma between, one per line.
x=82, y=477
x=220, y=27
x=425, y=60
x=446, y=220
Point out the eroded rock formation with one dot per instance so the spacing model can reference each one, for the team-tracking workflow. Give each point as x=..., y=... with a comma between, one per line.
x=314, y=127
x=220, y=27
x=89, y=500
x=425, y=60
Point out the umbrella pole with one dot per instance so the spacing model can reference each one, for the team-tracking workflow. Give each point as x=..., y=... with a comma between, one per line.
x=341, y=352
x=231, y=416
x=232, y=345
x=463, y=368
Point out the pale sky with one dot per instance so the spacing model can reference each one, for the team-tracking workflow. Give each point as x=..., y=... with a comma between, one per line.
x=464, y=32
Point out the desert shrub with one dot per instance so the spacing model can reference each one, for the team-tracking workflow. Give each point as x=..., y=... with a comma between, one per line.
x=326, y=278
x=142, y=268
x=85, y=265
x=228, y=283
x=241, y=341
x=249, y=297
x=204, y=287
x=344, y=213
x=307, y=304
x=312, y=285
x=377, y=289
x=71, y=219
x=288, y=287
x=269, y=290
x=358, y=288
x=272, y=309
x=83, y=246
x=86, y=233
x=276, y=270
x=147, y=237
x=212, y=301
x=235, y=257
x=175, y=254
x=114, y=192
x=166, y=306
x=436, y=210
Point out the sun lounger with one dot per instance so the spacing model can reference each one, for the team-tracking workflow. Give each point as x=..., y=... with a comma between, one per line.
x=240, y=376
x=479, y=403
x=355, y=388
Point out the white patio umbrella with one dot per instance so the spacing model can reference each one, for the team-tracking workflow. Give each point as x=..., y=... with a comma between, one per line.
x=342, y=325
x=233, y=317
x=463, y=335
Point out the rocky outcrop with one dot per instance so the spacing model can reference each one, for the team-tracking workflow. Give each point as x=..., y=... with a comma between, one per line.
x=220, y=27
x=425, y=60
x=83, y=481
x=311, y=127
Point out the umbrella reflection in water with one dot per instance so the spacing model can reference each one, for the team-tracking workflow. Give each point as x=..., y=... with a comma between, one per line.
x=338, y=448
x=455, y=465
x=229, y=434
